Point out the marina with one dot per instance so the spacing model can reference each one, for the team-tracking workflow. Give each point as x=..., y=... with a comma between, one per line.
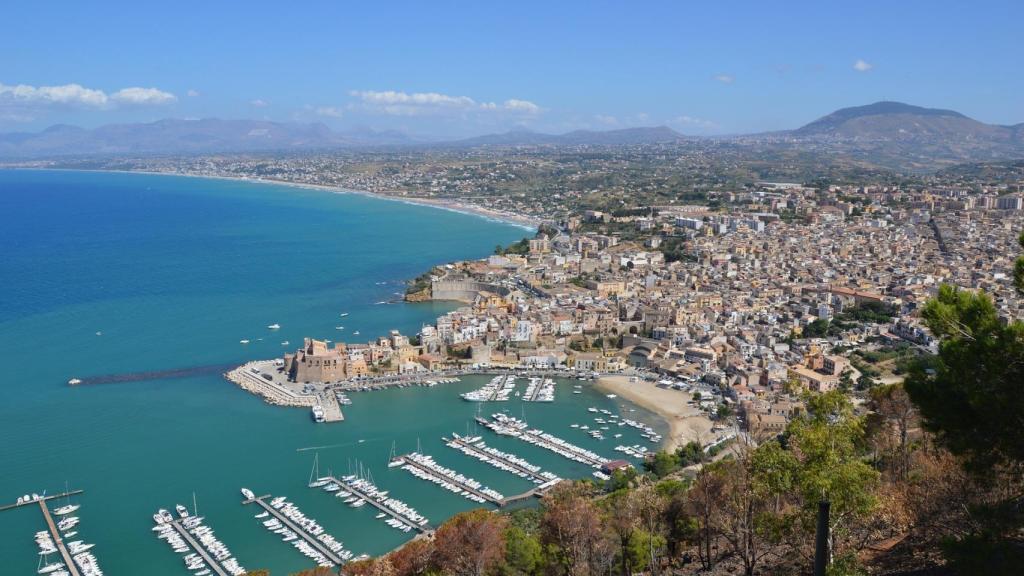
x=321, y=547
x=424, y=467
x=188, y=532
x=499, y=389
x=539, y=390
x=76, y=560
x=69, y=563
x=509, y=426
x=405, y=517
x=475, y=446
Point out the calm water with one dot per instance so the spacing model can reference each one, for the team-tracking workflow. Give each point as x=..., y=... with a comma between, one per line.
x=113, y=273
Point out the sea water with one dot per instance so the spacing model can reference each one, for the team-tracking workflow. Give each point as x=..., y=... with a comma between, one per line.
x=113, y=274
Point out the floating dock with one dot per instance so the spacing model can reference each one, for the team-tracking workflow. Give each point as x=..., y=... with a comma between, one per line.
x=299, y=531
x=210, y=561
x=68, y=561
x=424, y=529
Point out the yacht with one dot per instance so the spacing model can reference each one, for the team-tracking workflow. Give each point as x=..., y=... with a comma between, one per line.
x=343, y=314
x=274, y=326
x=181, y=510
x=74, y=382
x=248, y=494
x=65, y=509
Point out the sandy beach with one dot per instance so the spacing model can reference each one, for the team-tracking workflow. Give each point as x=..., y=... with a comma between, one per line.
x=686, y=423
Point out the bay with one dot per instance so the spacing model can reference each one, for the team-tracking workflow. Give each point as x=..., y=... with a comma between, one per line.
x=104, y=273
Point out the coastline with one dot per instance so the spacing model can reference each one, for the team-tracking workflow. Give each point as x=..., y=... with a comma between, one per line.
x=686, y=423
x=525, y=222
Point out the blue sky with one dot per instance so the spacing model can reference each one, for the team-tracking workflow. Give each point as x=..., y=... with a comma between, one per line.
x=448, y=69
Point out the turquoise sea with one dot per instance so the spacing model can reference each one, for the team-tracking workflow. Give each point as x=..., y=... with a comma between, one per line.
x=106, y=274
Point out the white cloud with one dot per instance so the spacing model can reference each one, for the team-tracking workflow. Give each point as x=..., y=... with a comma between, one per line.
x=607, y=120
x=78, y=95
x=725, y=78
x=143, y=96
x=192, y=93
x=64, y=94
x=521, y=106
x=259, y=103
x=862, y=66
x=391, y=97
x=424, y=103
x=329, y=111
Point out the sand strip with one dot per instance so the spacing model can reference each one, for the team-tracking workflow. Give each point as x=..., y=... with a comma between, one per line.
x=686, y=423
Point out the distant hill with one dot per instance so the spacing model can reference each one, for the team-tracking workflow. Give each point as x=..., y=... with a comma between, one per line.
x=186, y=136
x=883, y=135
x=895, y=120
x=625, y=136
x=903, y=136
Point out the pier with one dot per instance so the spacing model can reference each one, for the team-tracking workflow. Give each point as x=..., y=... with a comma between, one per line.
x=559, y=449
x=50, y=525
x=533, y=492
x=41, y=499
x=210, y=561
x=462, y=485
x=484, y=454
x=68, y=561
x=424, y=529
x=299, y=531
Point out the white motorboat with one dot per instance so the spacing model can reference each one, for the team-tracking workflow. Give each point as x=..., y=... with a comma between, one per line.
x=274, y=326
x=65, y=509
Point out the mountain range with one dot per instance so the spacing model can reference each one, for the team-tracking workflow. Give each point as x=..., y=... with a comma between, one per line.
x=887, y=134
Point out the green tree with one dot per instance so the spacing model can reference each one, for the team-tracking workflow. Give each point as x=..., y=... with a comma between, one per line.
x=816, y=329
x=689, y=454
x=522, y=552
x=972, y=399
x=827, y=443
x=662, y=464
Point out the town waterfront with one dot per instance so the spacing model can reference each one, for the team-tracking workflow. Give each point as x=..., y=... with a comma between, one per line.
x=118, y=273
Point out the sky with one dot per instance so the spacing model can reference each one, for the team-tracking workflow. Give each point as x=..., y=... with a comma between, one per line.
x=443, y=69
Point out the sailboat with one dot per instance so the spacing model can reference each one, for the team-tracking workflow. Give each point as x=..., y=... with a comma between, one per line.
x=315, y=481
